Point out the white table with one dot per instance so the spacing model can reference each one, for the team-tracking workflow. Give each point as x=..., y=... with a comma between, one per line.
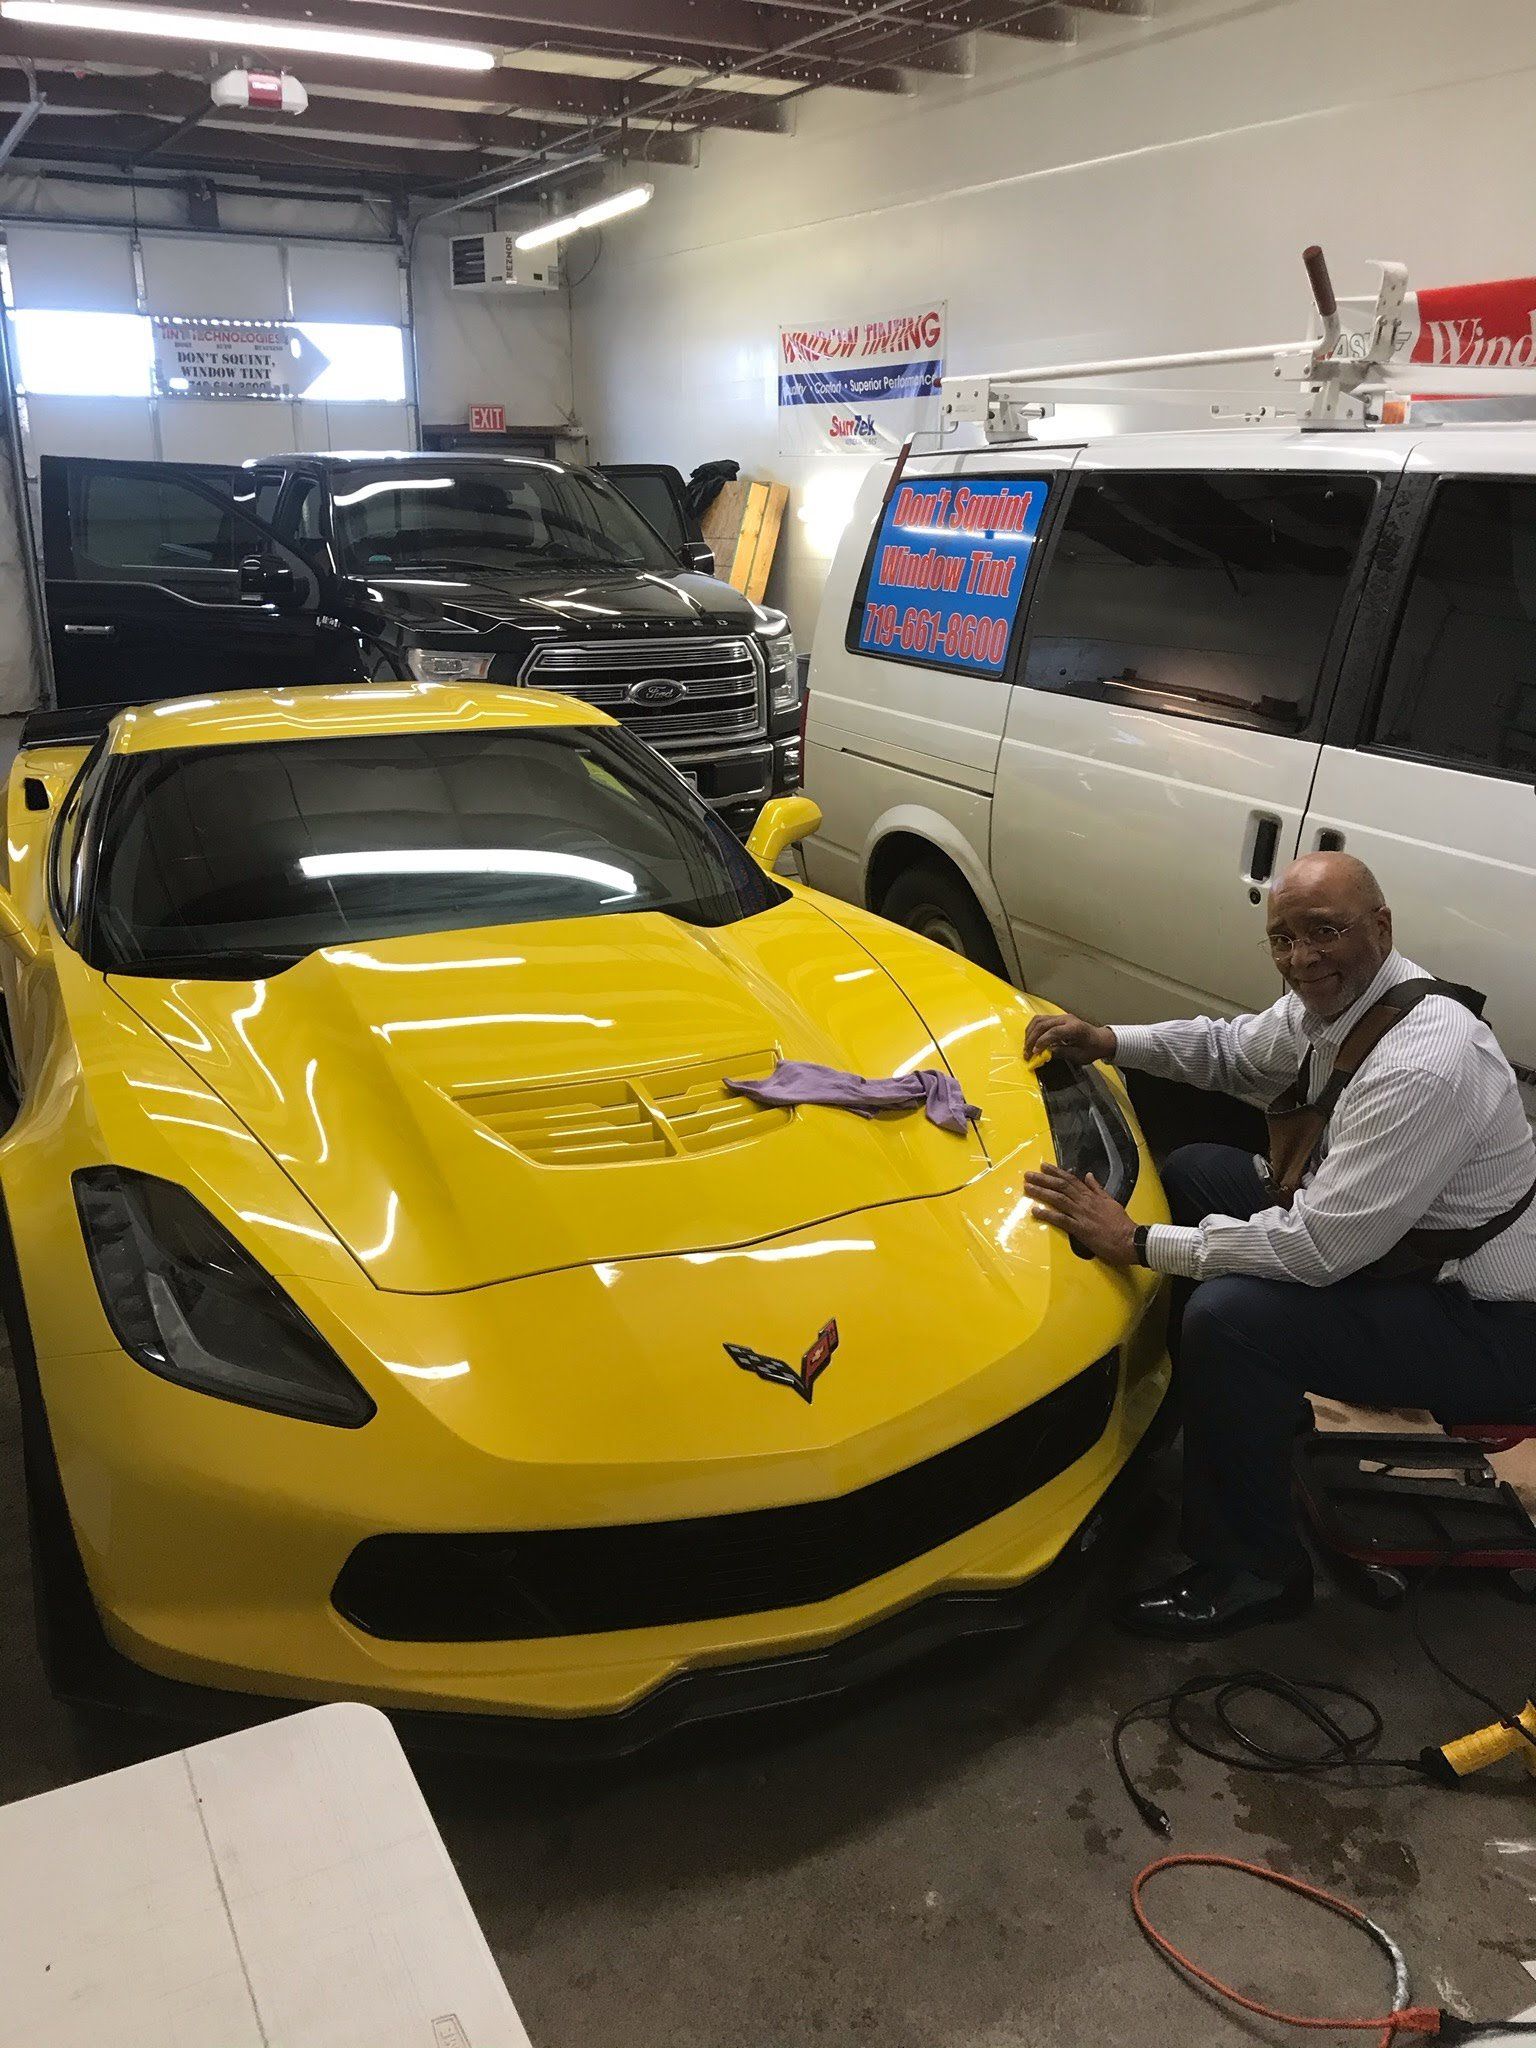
x=280, y=1888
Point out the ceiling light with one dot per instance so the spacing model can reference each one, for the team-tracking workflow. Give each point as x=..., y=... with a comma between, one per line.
x=114, y=17
x=588, y=217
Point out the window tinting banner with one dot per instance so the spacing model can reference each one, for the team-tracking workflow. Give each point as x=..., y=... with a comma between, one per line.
x=860, y=389
x=948, y=570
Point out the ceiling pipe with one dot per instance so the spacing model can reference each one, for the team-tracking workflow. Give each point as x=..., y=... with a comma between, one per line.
x=16, y=133
x=508, y=181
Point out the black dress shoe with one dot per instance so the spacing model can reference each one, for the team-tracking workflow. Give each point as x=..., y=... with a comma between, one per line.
x=1204, y=1601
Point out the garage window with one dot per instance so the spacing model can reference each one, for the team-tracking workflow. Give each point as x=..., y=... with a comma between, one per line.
x=1210, y=595
x=1461, y=682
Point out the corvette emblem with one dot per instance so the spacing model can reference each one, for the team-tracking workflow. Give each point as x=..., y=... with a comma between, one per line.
x=802, y=1377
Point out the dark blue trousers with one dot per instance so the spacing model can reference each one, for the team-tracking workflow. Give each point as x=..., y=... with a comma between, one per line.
x=1249, y=1351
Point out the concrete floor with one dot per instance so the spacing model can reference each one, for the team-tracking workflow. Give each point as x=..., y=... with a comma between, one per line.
x=944, y=1863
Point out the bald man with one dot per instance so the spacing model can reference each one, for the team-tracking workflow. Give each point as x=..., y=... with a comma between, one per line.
x=1385, y=1254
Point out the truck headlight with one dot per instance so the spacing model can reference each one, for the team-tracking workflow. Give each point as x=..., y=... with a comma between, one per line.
x=1088, y=1127
x=186, y=1302
x=430, y=665
x=778, y=645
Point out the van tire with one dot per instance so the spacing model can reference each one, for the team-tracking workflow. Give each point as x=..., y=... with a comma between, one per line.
x=933, y=900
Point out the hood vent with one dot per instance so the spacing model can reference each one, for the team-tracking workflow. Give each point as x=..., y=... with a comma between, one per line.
x=630, y=1120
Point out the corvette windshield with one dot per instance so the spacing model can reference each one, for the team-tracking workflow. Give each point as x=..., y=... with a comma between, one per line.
x=519, y=518
x=240, y=860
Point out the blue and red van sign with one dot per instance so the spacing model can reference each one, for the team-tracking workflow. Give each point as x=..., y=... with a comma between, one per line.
x=950, y=563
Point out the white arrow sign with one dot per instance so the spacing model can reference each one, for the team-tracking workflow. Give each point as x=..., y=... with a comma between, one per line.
x=234, y=358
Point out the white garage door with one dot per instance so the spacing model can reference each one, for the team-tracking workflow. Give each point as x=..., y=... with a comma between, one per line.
x=84, y=352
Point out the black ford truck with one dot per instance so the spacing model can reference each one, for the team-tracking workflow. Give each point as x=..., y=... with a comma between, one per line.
x=171, y=579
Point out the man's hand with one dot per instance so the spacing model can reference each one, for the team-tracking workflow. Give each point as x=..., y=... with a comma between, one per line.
x=1070, y=1037
x=1082, y=1208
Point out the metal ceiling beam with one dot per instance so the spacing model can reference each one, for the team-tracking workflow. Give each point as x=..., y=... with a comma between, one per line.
x=510, y=88
x=712, y=34
x=175, y=100
x=58, y=139
x=731, y=28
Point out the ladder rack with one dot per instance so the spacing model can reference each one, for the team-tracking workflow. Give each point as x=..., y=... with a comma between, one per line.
x=1341, y=375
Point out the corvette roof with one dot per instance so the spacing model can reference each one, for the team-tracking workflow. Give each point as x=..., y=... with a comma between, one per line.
x=249, y=717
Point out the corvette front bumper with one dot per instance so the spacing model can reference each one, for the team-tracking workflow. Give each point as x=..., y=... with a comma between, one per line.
x=220, y=1543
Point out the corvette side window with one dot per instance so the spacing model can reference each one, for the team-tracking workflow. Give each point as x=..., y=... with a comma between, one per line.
x=65, y=865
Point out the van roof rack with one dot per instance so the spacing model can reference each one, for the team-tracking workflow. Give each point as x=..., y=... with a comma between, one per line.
x=1342, y=376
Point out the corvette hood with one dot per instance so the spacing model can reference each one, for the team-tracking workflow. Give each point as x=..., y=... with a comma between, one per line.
x=471, y=1107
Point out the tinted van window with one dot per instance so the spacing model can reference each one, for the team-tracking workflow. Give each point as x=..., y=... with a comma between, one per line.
x=1461, y=681
x=1213, y=595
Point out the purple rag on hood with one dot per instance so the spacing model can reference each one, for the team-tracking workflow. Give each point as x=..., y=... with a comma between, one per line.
x=793, y=1082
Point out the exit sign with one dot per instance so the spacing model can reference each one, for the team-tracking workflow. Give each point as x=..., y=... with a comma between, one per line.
x=487, y=419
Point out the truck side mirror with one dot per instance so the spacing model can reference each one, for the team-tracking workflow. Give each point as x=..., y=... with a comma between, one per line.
x=782, y=822
x=697, y=555
x=260, y=580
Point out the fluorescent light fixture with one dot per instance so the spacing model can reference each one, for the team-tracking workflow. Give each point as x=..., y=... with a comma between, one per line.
x=116, y=17
x=589, y=217
x=466, y=860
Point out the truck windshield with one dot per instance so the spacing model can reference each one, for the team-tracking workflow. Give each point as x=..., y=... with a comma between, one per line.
x=237, y=861
x=522, y=517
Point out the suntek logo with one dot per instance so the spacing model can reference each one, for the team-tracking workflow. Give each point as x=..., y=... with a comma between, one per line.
x=858, y=426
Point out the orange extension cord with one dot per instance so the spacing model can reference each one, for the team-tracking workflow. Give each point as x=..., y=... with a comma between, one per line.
x=1412, y=2019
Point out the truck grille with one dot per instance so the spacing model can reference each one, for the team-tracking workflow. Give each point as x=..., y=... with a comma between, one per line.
x=721, y=681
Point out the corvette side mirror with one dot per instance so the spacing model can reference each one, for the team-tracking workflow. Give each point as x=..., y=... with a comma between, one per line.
x=782, y=822
x=23, y=939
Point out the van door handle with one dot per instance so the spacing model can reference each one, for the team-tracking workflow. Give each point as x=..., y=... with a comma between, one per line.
x=89, y=632
x=1263, y=846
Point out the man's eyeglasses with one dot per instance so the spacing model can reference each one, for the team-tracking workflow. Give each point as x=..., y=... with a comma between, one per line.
x=1323, y=937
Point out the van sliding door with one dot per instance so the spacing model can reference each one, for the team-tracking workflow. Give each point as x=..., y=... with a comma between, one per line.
x=1161, y=743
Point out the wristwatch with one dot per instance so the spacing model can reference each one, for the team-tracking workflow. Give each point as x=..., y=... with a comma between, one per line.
x=1139, y=1244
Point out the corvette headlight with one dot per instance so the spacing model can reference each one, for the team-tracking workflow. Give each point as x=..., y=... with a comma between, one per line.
x=430, y=665
x=188, y=1303
x=1088, y=1127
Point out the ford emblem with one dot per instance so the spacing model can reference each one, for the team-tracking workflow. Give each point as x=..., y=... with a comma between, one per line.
x=656, y=690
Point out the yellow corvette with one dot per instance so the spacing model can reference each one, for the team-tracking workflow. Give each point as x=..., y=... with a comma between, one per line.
x=405, y=1308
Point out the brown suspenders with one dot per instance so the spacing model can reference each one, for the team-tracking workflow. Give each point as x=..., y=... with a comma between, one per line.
x=1296, y=1129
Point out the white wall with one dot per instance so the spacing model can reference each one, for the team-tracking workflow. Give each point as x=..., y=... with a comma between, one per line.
x=488, y=348
x=1149, y=190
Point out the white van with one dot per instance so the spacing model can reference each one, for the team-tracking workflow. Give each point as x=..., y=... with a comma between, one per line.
x=1211, y=651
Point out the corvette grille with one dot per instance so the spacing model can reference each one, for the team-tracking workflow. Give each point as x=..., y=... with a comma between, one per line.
x=630, y=1118
x=518, y=1585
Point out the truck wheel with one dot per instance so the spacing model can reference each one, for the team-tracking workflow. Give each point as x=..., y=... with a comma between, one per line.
x=934, y=900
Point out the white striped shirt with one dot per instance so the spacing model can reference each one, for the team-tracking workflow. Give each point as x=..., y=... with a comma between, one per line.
x=1431, y=1131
